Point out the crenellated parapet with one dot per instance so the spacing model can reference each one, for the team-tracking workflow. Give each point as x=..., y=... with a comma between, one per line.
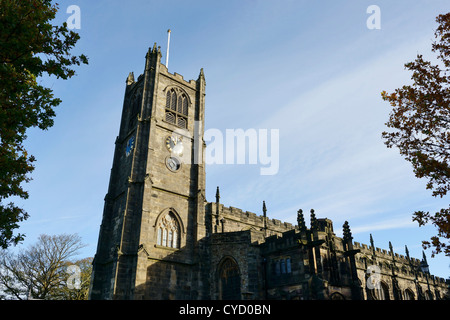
x=178, y=77
x=236, y=219
x=404, y=266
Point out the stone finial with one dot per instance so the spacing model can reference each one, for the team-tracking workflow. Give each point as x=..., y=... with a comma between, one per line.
x=407, y=252
x=372, y=245
x=217, y=195
x=130, y=78
x=424, y=257
x=347, y=232
x=264, y=209
x=314, y=225
x=301, y=220
x=201, y=75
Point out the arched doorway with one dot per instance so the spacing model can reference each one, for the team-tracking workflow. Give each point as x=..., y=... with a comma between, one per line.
x=229, y=280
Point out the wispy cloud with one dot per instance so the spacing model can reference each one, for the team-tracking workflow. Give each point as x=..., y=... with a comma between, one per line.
x=386, y=224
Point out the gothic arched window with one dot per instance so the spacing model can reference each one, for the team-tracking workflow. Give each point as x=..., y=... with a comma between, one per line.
x=409, y=295
x=428, y=295
x=168, y=232
x=177, y=108
x=381, y=293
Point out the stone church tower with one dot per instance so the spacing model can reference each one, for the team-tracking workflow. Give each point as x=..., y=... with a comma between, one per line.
x=154, y=212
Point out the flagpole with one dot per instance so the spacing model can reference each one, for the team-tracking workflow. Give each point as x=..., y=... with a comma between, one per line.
x=167, y=53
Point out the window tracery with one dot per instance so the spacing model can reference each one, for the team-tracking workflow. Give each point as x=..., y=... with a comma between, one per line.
x=177, y=108
x=168, y=232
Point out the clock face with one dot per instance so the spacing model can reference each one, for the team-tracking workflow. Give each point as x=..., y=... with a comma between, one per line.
x=174, y=145
x=130, y=146
x=173, y=163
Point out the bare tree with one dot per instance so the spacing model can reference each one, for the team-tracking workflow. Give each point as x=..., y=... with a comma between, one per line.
x=39, y=272
x=79, y=280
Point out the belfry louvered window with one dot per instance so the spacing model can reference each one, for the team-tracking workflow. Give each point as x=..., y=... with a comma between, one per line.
x=177, y=108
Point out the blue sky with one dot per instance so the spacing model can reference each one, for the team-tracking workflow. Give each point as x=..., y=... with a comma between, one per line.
x=311, y=69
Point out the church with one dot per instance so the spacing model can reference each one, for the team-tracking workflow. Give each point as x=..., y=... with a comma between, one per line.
x=161, y=239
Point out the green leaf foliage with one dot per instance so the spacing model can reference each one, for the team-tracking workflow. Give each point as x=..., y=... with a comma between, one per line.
x=30, y=47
